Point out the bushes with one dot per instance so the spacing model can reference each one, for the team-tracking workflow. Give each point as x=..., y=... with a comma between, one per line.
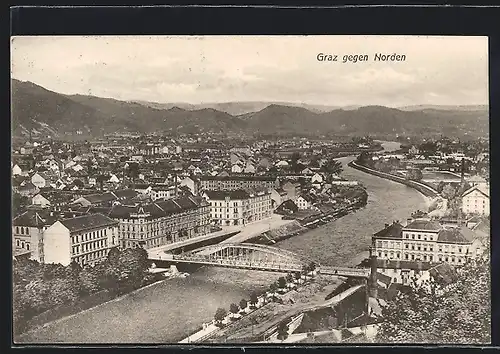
x=42, y=287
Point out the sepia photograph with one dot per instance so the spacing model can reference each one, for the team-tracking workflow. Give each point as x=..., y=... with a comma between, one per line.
x=272, y=190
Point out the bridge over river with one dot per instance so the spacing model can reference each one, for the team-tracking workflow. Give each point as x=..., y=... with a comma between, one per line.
x=257, y=257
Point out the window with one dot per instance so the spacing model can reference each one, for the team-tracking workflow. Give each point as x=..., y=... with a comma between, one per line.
x=418, y=236
x=17, y=243
x=406, y=256
x=406, y=246
x=17, y=229
x=22, y=230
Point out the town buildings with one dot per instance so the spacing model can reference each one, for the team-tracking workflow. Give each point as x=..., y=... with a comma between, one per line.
x=239, y=207
x=237, y=182
x=84, y=239
x=423, y=240
x=161, y=222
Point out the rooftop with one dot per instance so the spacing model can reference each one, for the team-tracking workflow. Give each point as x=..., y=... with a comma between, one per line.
x=238, y=178
x=456, y=235
x=220, y=195
x=86, y=222
x=390, y=231
x=424, y=224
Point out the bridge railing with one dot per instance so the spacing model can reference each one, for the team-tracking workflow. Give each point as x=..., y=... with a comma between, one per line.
x=239, y=262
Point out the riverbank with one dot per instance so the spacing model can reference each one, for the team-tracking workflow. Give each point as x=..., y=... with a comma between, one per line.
x=426, y=190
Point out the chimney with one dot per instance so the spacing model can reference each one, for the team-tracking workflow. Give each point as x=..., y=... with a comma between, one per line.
x=408, y=221
x=386, y=226
x=372, y=283
x=462, y=172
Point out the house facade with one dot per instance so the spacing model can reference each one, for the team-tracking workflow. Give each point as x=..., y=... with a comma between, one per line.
x=476, y=200
x=85, y=240
x=237, y=182
x=162, y=222
x=426, y=241
x=238, y=207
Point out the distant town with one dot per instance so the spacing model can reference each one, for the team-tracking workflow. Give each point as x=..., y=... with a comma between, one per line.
x=111, y=215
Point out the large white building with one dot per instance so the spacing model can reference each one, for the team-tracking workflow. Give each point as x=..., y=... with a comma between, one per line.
x=239, y=207
x=476, y=200
x=85, y=239
x=166, y=221
x=426, y=241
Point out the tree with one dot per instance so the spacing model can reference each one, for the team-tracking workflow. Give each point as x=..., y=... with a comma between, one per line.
x=219, y=316
x=114, y=255
x=459, y=313
x=283, y=330
x=289, y=277
x=234, y=308
x=254, y=299
x=298, y=275
x=414, y=174
x=273, y=287
x=243, y=304
x=448, y=192
x=440, y=186
x=332, y=167
x=281, y=282
x=89, y=281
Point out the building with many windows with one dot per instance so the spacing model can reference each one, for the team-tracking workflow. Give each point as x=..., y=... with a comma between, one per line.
x=28, y=231
x=84, y=239
x=426, y=241
x=210, y=183
x=476, y=200
x=239, y=207
x=156, y=224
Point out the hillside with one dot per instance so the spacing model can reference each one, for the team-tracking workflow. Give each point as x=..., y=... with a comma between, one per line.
x=49, y=113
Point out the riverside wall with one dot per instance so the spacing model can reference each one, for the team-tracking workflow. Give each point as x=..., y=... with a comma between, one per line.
x=422, y=188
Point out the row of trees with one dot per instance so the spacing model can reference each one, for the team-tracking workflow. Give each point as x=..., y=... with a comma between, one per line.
x=41, y=287
x=281, y=283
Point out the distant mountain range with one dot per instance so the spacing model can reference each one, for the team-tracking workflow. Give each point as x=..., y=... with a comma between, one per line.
x=240, y=108
x=41, y=111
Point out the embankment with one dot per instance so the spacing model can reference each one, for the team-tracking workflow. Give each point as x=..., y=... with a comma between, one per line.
x=422, y=188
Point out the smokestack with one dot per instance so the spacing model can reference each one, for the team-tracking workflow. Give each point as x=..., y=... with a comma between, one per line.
x=372, y=283
x=462, y=172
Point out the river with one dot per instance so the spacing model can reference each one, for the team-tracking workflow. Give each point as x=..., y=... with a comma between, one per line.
x=168, y=311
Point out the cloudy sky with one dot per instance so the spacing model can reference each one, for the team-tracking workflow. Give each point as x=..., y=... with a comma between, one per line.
x=437, y=70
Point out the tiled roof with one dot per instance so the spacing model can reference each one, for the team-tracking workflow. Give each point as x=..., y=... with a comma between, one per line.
x=237, y=178
x=484, y=191
x=157, y=209
x=125, y=193
x=34, y=218
x=391, y=231
x=220, y=195
x=454, y=235
x=85, y=222
x=423, y=224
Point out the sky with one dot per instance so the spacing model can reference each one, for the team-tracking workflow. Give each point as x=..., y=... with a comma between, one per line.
x=208, y=69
